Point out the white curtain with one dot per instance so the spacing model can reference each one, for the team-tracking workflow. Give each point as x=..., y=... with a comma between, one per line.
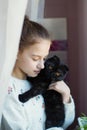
x=35, y=9
x=11, y=20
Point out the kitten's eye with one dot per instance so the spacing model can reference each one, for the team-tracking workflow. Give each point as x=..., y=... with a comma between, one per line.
x=57, y=74
x=50, y=67
x=44, y=59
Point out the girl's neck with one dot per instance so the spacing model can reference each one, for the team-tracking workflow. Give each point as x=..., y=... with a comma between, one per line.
x=18, y=74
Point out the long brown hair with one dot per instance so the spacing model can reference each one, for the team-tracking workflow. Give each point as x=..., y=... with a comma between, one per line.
x=31, y=31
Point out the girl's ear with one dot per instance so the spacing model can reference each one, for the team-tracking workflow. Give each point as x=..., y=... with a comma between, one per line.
x=18, y=55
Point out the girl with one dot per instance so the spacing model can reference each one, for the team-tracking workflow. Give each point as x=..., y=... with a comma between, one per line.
x=33, y=50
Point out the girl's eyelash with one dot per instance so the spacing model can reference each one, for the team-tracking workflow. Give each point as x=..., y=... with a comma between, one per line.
x=35, y=59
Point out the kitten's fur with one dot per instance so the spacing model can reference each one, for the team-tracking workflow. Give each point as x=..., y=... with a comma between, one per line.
x=54, y=107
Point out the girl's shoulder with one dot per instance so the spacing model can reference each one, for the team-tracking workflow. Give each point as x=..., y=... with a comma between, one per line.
x=18, y=85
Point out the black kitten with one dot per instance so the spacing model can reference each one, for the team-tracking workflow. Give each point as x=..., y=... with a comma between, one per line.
x=54, y=107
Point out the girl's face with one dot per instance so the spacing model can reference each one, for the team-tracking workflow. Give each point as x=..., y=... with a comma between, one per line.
x=31, y=60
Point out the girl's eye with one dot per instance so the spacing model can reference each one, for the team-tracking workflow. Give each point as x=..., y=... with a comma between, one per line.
x=35, y=59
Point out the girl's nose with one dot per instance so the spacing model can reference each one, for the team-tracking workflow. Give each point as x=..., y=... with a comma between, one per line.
x=41, y=64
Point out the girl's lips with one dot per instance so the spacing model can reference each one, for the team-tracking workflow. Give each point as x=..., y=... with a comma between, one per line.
x=37, y=72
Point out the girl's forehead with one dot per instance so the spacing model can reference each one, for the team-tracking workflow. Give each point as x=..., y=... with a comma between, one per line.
x=40, y=44
x=41, y=48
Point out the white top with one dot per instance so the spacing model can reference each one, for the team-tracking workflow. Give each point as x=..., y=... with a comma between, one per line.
x=29, y=115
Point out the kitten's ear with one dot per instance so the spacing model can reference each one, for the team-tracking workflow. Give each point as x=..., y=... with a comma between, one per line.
x=64, y=68
x=56, y=58
x=18, y=54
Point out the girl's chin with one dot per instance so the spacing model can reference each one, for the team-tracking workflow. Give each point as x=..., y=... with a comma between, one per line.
x=33, y=75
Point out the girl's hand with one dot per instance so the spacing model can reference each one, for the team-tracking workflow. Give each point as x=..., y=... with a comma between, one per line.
x=61, y=87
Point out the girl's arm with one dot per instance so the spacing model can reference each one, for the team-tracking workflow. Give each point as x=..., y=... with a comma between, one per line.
x=13, y=117
x=69, y=113
x=62, y=88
